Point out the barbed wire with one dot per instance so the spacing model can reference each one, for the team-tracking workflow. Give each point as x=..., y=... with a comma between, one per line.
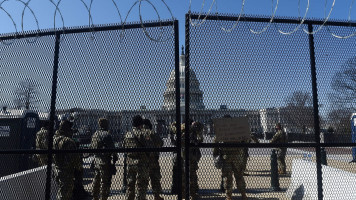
x=273, y=14
x=195, y=23
x=57, y=11
x=301, y=21
x=349, y=20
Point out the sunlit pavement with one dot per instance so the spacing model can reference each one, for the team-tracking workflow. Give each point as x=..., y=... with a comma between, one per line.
x=258, y=181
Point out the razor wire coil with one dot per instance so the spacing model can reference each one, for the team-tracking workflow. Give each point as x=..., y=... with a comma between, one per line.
x=201, y=19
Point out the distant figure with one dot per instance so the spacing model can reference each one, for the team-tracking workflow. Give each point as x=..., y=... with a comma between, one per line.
x=65, y=164
x=280, y=137
x=104, y=163
x=233, y=165
x=137, y=170
x=42, y=142
x=155, y=170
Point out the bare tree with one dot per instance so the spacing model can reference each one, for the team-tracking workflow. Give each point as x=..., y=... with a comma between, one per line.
x=299, y=99
x=299, y=110
x=343, y=86
x=339, y=119
x=26, y=94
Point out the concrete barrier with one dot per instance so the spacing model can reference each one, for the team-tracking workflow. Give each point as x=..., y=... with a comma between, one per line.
x=30, y=185
x=337, y=184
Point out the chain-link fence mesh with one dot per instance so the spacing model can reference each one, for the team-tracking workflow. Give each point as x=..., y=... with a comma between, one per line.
x=117, y=74
x=112, y=73
x=268, y=78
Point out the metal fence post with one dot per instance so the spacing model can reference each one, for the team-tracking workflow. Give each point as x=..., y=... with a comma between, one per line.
x=52, y=117
x=178, y=118
x=187, y=105
x=274, y=172
x=323, y=156
x=316, y=112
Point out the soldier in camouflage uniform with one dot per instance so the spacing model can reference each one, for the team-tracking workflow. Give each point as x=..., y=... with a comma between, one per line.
x=233, y=164
x=280, y=137
x=196, y=137
x=155, y=170
x=137, y=171
x=104, y=163
x=65, y=164
x=42, y=142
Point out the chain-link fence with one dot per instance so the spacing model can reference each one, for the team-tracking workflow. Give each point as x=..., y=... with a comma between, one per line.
x=77, y=77
x=304, y=82
x=236, y=83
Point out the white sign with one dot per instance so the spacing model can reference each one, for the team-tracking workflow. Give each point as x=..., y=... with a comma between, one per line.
x=232, y=129
x=4, y=131
x=31, y=122
x=354, y=122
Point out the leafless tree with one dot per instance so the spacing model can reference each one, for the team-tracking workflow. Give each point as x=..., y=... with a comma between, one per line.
x=299, y=110
x=343, y=97
x=343, y=86
x=339, y=120
x=26, y=94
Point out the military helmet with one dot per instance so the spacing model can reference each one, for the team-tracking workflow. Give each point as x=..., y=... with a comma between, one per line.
x=197, y=126
x=103, y=123
x=65, y=125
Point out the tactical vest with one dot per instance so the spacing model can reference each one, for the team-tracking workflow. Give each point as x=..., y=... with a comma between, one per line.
x=131, y=141
x=104, y=141
x=60, y=160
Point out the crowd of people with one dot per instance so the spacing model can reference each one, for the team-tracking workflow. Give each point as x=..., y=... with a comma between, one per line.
x=142, y=167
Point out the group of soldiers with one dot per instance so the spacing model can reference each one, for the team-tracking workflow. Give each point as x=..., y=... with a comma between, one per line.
x=68, y=167
x=142, y=167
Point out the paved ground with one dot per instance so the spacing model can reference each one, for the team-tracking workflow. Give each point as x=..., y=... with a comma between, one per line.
x=258, y=183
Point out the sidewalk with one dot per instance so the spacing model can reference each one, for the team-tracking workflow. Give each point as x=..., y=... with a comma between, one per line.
x=258, y=181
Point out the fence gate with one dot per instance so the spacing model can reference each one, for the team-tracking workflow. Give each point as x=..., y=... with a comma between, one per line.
x=83, y=74
x=239, y=66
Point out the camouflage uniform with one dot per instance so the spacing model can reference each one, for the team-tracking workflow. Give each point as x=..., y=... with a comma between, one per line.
x=280, y=137
x=137, y=172
x=155, y=170
x=233, y=159
x=65, y=165
x=42, y=144
x=175, y=174
x=196, y=137
x=103, y=166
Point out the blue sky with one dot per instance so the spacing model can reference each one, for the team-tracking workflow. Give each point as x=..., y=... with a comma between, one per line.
x=213, y=74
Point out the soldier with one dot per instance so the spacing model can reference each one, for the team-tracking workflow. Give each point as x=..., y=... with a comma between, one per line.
x=104, y=163
x=196, y=137
x=280, y=137
x=42, y=142
x=137, y=172
x=233, y=164
x=65, y=164
x=155, y=171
